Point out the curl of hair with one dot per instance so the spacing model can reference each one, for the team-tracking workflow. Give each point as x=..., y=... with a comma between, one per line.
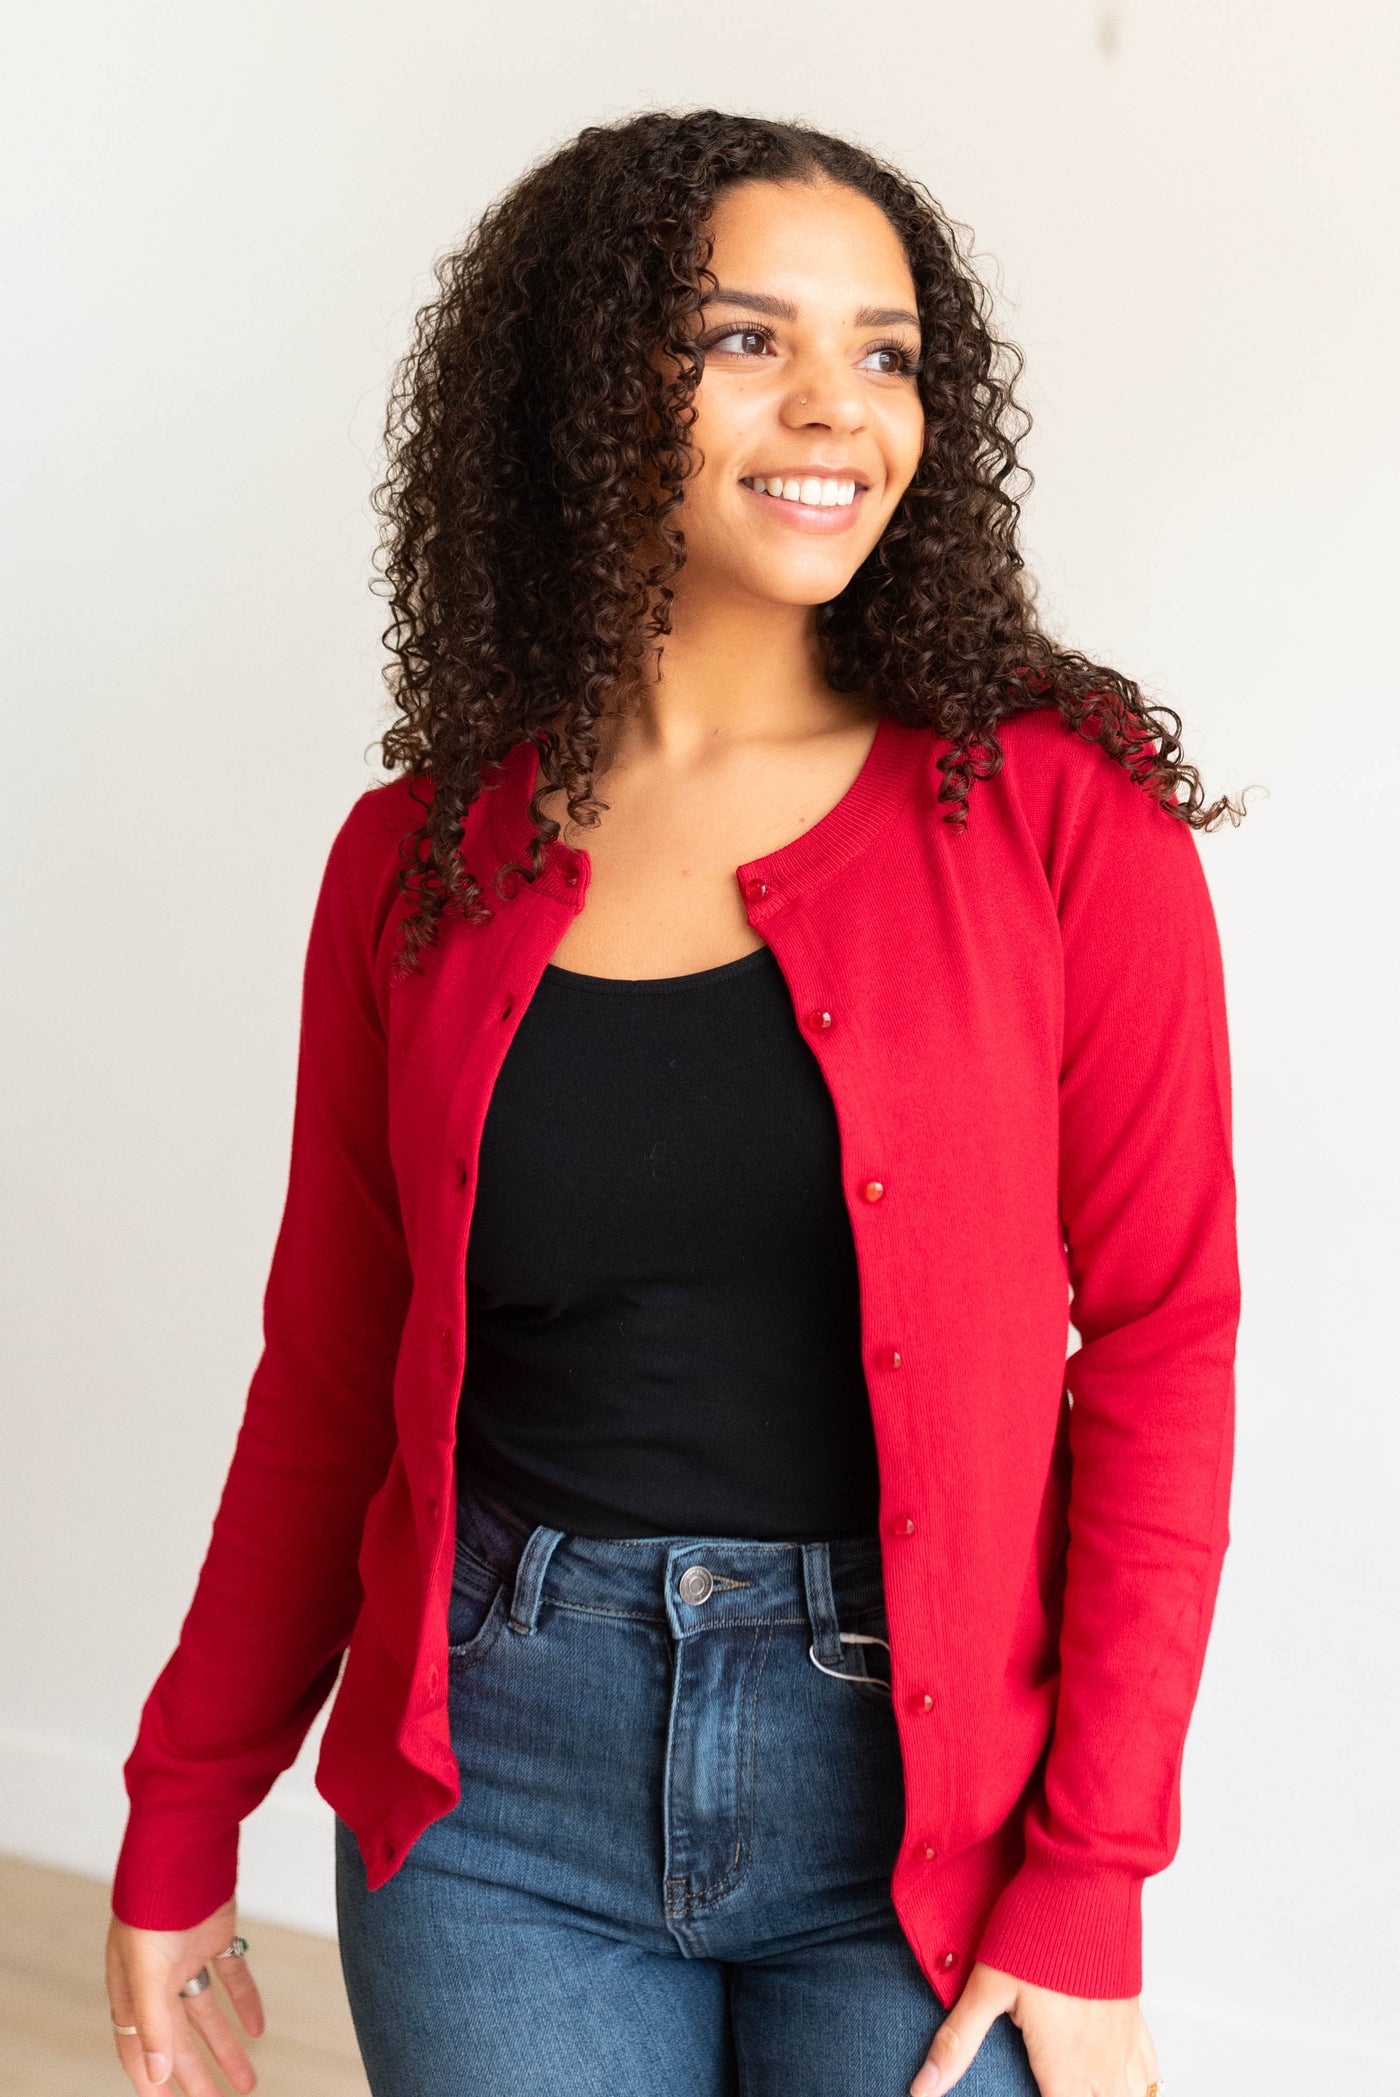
x=537, y=453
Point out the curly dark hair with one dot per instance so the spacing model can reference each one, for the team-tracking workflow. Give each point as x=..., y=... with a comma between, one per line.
x=537, y=451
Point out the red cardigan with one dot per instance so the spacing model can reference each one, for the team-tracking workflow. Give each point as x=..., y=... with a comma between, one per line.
x=1023, y=1031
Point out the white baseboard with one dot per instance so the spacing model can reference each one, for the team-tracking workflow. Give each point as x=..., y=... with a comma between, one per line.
x=62, y=1802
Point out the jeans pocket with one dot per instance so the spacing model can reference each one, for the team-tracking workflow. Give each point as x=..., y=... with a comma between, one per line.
x=865, y=1641
x=476, y=1611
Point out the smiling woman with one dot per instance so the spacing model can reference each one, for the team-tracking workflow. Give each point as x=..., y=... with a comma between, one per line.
x=769, y=1658
x=822, y=240
x=798, y=224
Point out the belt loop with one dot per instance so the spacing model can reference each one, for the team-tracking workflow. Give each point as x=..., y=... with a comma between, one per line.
x=821, y=1603
x=529, y=1577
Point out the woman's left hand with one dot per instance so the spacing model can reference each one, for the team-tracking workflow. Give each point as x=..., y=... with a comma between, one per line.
x=1078, y=2046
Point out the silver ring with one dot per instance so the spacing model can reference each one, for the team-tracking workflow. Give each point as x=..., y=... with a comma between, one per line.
x=126, y=2031
x=238, y=1949
x=197, y=1983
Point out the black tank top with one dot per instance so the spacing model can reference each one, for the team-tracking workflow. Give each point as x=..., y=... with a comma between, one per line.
x=663, y=1322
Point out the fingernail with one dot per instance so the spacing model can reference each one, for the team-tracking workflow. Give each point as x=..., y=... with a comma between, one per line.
x=925, y=2082
x=157, y=2067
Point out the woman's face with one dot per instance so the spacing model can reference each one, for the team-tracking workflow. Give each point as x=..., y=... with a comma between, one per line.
x=811, y=343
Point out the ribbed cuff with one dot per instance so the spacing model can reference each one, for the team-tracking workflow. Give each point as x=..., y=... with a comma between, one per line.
x=1076, y=1930
x=175, y=1869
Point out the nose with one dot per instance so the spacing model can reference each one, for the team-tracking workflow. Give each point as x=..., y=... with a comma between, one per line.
x=826, y=392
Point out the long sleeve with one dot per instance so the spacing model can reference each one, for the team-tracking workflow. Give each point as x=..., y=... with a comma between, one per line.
x=279, y=1590
x=1147, y=1202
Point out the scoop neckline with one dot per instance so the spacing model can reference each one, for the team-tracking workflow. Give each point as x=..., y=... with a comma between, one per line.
x=770, y=882
x=693, y=979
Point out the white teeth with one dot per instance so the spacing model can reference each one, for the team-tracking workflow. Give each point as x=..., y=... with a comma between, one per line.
x=816, y=494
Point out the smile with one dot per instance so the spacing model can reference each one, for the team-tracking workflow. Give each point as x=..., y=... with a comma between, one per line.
x=813, y=493
x=806, y=509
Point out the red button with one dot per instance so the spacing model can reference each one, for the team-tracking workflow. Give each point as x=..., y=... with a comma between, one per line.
x=873, y=1190
x=755, y=889
x=461, y=1172
x=903, y=1525
x=929, y=1852
x=817, y=1020
x=949, y=1958
x=571, y=877
x=924, y=1702
x=889, y=1358
x=507, y=1008
x=432, y=1681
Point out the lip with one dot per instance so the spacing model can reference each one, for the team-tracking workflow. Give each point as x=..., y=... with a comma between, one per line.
x=800, y=517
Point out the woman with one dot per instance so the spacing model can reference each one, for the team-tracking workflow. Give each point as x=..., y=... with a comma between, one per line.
x=778, y=981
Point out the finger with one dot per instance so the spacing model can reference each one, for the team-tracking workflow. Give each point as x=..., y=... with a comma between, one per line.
x=242, y=1991
x=133, y=2060
x=955, y=2043
x=222, y=2040
x=154, y=2019
x=191, y=2069
x=123, y=2014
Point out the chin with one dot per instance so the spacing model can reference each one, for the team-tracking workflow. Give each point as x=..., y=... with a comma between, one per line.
x=785, y=587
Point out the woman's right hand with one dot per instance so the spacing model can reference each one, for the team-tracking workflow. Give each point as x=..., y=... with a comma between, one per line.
x=146, y=1970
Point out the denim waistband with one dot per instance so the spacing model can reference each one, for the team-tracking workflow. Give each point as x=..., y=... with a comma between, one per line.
x=688, y=1583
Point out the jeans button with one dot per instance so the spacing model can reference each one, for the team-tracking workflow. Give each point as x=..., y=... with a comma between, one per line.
x=696, y=1584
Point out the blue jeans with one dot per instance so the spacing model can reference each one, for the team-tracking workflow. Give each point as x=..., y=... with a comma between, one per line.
x=668, y=1875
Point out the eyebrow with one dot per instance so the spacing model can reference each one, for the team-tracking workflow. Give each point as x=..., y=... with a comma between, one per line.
x=783, y=309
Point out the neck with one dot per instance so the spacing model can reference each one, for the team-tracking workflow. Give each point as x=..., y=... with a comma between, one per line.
x=731, y=670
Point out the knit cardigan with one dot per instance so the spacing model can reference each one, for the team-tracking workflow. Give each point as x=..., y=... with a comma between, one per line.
x=1022, y=1027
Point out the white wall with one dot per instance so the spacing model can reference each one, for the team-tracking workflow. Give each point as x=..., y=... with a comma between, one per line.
x=221, y=224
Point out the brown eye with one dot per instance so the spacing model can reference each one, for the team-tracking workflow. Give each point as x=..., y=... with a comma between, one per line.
x=906, y=362
x=750, y=333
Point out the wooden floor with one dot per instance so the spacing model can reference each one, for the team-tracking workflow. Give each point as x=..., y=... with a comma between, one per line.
x=55, y=2037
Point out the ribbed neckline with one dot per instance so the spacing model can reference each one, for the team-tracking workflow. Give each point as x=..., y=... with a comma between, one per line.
x=821, y=850
x=861, y=813
x=693, y=979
